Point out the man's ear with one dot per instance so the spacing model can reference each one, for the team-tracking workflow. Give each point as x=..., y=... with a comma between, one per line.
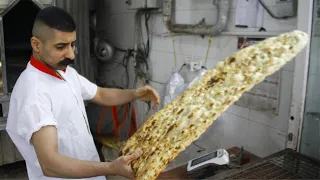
x=35, y=44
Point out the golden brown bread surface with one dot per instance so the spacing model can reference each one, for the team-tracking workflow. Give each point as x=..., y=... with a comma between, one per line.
x=170, y=130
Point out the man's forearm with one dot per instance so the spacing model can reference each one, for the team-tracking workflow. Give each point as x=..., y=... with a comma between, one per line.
x=61, y=166
x=115, y=97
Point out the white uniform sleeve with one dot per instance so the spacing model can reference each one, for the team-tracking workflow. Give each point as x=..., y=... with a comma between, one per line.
x=88, y=89
x=33, y=117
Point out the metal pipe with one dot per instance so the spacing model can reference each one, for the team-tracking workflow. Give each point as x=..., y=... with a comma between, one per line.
x=200, y=28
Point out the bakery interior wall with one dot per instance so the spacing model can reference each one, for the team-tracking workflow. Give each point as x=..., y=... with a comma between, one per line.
x=260, y=132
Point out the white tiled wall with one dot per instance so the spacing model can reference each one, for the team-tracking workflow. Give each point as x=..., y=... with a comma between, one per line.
x=262, y=133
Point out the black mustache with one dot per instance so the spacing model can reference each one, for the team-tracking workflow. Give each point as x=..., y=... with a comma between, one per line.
x=66, y=62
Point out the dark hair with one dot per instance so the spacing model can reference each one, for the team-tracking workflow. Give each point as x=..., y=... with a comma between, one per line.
x=56, y=18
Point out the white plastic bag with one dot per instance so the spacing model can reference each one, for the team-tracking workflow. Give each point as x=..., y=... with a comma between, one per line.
x=197, y=77
x=177, y=85
x=174, y=86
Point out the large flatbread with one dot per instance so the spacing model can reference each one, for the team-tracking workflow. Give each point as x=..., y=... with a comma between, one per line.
x=169, y=131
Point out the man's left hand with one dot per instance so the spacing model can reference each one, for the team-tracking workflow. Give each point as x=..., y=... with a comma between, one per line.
x=148, y=94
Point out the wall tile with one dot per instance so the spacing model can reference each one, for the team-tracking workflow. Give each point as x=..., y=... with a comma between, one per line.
x=235, y=131
x=202, y=47
x=280, y=121
x=185, y=45
x=182, y=5
x=163, y=44
x=289, y=66
x=227, y=46
x=239, y=111
x=271, y=24
x=259, y=132
x=263, y=141
x=213, y=138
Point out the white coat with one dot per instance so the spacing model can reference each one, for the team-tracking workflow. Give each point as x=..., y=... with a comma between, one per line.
x=41, y=98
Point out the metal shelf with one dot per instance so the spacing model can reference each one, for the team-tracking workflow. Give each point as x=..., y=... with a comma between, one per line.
x=286, y=164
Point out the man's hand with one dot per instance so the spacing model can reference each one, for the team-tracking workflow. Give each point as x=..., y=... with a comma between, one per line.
x=54, y=164
x=115, y=97
x=122, y=165
x=148, y=94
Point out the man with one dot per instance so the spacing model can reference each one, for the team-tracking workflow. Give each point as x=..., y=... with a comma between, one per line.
x=47, y=120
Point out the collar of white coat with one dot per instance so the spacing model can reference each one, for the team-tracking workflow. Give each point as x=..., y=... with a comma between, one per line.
x=43, y=68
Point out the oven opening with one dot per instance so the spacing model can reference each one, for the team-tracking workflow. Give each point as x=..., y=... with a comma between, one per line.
x=17, y=27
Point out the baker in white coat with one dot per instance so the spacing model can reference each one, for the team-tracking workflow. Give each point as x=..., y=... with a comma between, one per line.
x=47, y=120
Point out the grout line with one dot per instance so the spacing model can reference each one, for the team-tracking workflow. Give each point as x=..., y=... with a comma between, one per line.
x=256, y=122
x=286, y=70
x=182, y=55
x=167, y=52
x=185, y=10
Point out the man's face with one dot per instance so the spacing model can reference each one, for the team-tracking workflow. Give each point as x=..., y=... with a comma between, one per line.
x=59, y=51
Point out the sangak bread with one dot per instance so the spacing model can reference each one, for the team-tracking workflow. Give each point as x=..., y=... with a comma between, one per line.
x=169, y=131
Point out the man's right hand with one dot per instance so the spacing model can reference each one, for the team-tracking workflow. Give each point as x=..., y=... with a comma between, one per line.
x=122, y=165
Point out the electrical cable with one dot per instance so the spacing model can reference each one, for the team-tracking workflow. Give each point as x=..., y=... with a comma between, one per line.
x=208, y=49
x=147, y=18
x=174, y=52
x=200, y=147
x=125, y=63
x=143, y=51
x=156, y=81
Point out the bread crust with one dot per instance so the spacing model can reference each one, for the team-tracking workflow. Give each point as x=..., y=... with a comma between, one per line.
x=170, y=130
